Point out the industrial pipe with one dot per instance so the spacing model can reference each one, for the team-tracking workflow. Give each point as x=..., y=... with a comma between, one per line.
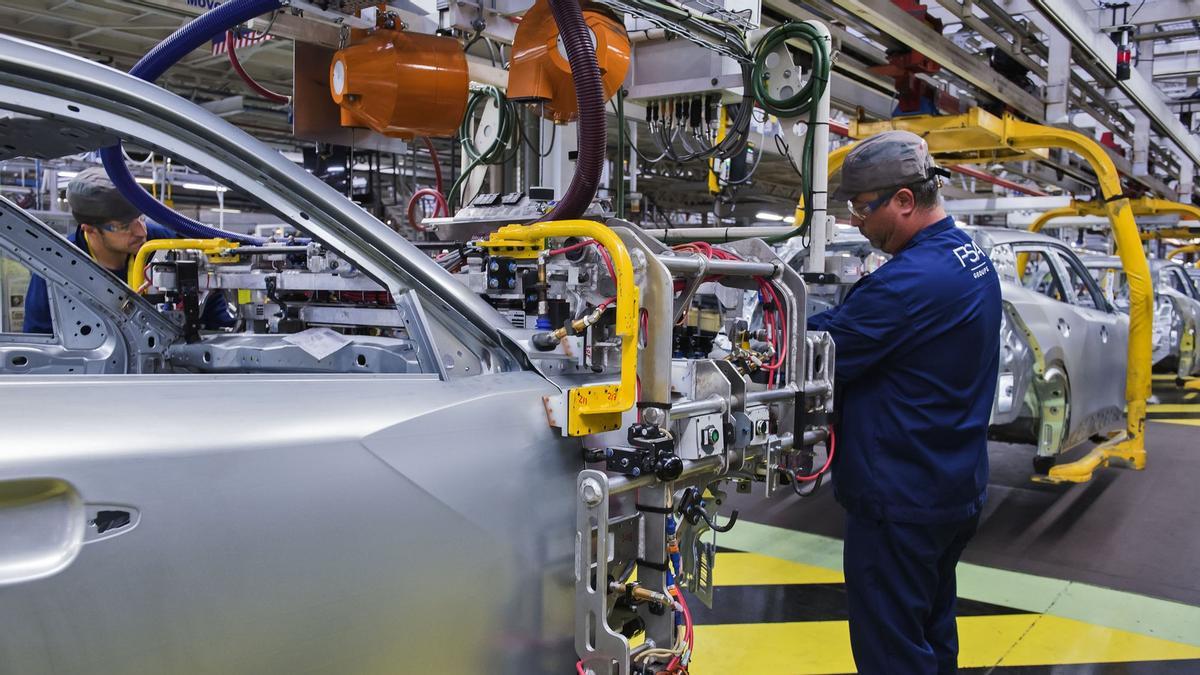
x=150, y=67
x=592, y=129
x=695, y=264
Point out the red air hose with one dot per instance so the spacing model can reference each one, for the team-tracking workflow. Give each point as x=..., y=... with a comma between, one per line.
x=441, y=207
x=437, y=166
x=271, y=96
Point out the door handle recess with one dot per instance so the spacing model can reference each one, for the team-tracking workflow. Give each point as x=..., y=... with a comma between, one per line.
x=44, y=523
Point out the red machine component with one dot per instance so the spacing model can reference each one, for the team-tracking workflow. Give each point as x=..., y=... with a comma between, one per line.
x=1108, y=140
x=904, y=66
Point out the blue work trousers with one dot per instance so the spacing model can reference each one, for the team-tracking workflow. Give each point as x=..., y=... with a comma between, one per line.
x=900, y=589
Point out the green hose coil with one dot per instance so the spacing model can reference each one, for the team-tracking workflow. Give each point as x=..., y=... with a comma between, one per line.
x=501, y=150
x=800, y=103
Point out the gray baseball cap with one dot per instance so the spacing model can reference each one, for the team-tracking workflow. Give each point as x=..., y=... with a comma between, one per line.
x=95, y=200
x=887, y=160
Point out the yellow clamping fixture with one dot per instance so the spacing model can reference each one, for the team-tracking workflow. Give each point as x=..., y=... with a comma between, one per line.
x=979, y=136
x=210, y=247
x=595, y=408
x=1184, y=250
x=1142, y=206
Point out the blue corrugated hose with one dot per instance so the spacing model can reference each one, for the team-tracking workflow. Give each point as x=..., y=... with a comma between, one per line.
x=167, y=53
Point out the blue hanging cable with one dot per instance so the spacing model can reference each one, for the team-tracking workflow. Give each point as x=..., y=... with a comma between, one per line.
x=150, y=67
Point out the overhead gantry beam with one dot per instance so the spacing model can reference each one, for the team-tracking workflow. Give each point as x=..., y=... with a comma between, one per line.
x=1074, y=22
x=1142, y=206
x=914, y=33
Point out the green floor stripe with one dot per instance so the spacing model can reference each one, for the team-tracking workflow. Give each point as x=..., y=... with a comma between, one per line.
x=1070, y=600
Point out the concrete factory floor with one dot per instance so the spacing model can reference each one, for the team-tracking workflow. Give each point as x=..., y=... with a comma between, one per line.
x=1099, y=578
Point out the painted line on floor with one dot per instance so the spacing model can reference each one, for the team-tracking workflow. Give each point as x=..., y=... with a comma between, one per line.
x=1137, y=614
x=791, y=603
x=984, y=641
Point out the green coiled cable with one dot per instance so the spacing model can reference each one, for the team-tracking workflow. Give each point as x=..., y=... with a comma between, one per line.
x=802, y=102
x=500, y=150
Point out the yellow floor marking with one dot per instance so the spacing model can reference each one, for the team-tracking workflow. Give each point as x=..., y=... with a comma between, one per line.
x=1193, y=423
x=1172, y=408
x=752, y=569
x=773, y=648
x=1055, y=640
x=1190, y=395
x=816, y=647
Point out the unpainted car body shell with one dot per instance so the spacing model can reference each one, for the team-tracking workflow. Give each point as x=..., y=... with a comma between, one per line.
x=1087, y=345
x=1176, y=314
x=305, y=523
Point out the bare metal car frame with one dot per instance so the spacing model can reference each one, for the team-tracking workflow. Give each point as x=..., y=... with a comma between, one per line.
x=1062, y=362
x=403, y=508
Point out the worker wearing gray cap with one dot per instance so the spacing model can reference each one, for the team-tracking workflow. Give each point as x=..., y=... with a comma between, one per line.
x=110, y=230
x=917, y=358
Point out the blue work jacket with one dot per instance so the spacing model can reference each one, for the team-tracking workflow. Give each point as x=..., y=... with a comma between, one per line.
x=917, y=345
x=215, y=313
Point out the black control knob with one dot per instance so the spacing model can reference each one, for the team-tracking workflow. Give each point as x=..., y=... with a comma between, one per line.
x=668, y=467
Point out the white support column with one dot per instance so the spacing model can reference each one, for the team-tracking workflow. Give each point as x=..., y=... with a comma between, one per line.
x=1141, y=121
x=632, y=196
x=558, y=168
x=1187, y=176
x=1058, y=86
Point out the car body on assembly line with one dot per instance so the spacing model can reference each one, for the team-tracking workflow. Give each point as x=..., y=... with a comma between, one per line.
x=373, y=470
x=1063, y=347
x=240, y=503
x=1176, y=310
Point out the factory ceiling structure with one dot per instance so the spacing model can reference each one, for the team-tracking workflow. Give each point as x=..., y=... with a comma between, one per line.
x=1049, y=62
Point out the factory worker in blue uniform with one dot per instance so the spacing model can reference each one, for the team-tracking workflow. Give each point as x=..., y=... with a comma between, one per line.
x=917, y=344
x=110, y=230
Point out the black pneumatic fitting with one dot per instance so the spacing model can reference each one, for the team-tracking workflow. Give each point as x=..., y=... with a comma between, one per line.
x=546, y=342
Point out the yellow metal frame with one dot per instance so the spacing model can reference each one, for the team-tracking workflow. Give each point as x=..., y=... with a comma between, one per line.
x=596, y=408
x=1142, y=206
x=714, y=185
x=978, y=136
x=210, y=247
x=1184, y=250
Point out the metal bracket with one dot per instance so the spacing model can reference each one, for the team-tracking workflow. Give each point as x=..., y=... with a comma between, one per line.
x=602, y=650
x=699, y=558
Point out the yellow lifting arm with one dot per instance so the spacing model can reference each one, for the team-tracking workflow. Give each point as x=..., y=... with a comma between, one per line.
x=1076, y=208
x=1184, y=250
x=714, y=185
x=593, y=408
x=1132, y=449
x=137, y=270
x=1142, y=206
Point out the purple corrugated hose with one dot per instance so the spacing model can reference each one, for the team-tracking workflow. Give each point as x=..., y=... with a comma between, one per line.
x=589, y=93
x=167, y=53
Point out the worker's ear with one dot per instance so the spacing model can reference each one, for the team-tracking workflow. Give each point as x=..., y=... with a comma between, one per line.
x=88, y=229
x=905, y=202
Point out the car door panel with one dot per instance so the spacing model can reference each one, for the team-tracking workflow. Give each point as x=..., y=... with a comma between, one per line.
x=311, y=538
x=1099, y=369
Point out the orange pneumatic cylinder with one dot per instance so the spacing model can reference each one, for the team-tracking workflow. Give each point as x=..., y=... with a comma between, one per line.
x=401, y=84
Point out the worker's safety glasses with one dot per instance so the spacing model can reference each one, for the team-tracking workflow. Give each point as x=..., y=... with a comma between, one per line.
x=861, y=212
x=122, y=227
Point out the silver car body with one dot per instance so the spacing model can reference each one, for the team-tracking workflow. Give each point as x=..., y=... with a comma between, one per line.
x=1063, y=346
x=1176, y=309
x=234, y=525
